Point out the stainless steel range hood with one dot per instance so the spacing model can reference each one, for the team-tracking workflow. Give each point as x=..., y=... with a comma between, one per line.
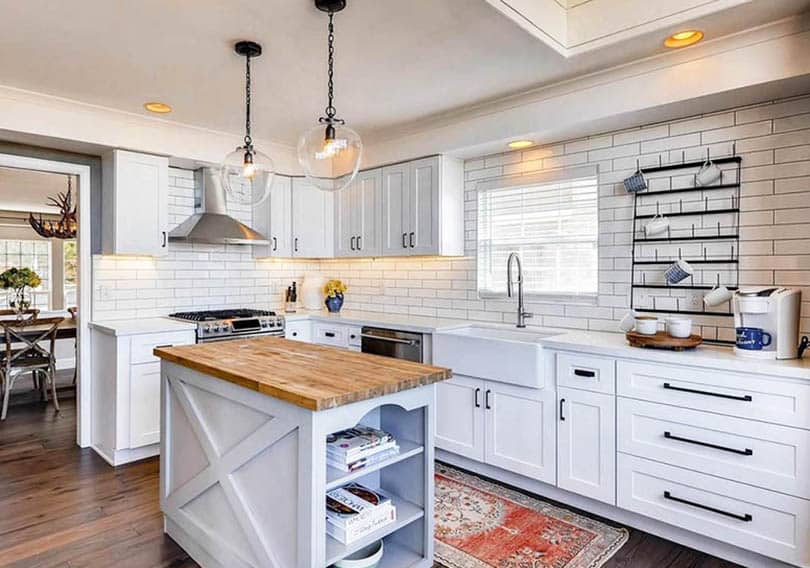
x=211, y=223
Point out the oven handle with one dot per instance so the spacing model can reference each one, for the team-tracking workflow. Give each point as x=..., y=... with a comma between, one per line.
x=389, y=339
x=237, y=336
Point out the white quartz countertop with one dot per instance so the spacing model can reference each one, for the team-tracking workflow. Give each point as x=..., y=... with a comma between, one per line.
x=141, y=326
x=395, y=321
x=716, y=356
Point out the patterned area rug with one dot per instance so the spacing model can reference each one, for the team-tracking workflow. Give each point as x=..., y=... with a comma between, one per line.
x=483, y=525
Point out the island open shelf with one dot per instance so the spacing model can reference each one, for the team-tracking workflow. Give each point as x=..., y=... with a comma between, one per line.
x=244, y=475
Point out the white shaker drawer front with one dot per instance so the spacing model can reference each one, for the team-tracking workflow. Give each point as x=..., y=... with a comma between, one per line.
x=586, y=372
x=354, y=338
x=141, y=346
x=772, y=524
x=335, y=336
x=766, y=455
x=769, y=399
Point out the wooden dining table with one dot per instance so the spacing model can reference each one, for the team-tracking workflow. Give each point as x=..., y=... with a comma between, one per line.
x=66, y=329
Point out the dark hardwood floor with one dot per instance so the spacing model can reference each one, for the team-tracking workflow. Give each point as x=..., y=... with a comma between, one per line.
x=61, y=506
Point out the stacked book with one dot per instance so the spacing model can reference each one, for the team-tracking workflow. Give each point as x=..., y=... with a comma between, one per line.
x=358, y=447
x=354, y=511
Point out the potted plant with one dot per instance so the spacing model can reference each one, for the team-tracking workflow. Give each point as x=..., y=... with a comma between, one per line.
x=17, y=280
x=334, y=291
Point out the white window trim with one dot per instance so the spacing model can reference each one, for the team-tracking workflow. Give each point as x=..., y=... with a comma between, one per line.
x=544, y=177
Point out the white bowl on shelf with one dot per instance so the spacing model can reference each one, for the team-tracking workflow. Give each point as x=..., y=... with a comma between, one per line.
x=368, y=557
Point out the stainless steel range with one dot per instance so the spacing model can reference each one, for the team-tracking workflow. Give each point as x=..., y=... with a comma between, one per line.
x=219, y=325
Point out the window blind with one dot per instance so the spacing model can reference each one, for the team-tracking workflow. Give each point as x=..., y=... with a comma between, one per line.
x=551, y=220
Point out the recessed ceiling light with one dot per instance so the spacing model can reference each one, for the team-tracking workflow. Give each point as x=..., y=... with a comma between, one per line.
x=684, y=38
x=520, y=144
x=157, y=107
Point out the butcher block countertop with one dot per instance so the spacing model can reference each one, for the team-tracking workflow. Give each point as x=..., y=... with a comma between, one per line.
x=311, y=376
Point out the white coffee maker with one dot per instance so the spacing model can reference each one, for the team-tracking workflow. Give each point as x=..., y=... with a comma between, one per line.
x=776, y=312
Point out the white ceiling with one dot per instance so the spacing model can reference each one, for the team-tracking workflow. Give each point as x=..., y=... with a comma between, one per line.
x=398, y=63
x=28, y=190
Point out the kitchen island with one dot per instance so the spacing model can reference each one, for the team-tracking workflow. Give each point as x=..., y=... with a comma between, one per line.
x=243, y=472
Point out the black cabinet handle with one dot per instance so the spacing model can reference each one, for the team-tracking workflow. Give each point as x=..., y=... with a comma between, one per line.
x=296, y=244
x=584, y=373
x=562, y=415
x=410, y=240
x=329, y=334
x=486, y=400
x=275, y=244
x=746, y=398
x=477, y=400
x=165, y=239
x=352, y=336
x=404, y=237
x=351, y=243
x=746, y=517
x=745, y=452
x=164, y=346
x=294, y=334
x=359, y=242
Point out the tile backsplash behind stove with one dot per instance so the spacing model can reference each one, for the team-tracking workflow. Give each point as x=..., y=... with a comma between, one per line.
x=773, y=140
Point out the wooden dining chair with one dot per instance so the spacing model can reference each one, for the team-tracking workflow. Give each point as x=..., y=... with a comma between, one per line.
x=31, y=357
x=30, y=313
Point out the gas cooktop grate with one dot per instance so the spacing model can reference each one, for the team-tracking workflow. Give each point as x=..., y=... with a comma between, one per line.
x=215, y=315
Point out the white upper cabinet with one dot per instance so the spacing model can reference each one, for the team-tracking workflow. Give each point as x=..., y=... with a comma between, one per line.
x=423, y=208
x=135, y=203
x=358, y=216
x=313, y=233
x=273, y=219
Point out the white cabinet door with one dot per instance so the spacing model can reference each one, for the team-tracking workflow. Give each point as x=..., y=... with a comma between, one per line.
x=144, y=405
x=272, y=218
x=298, y=331
x=586, y=444
x=312, y=221
x=460, y=417
x=346, y=220
x=135, y=205
x=396, y=205
x=423, y=197
x=520, y=434
x=368, y=213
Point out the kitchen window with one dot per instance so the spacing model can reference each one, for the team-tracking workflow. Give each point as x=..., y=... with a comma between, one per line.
x=552, y=220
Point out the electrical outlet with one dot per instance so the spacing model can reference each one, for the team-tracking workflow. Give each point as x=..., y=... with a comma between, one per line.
x=692, y=303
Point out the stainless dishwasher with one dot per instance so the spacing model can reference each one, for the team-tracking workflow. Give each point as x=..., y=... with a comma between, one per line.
x=394, y=343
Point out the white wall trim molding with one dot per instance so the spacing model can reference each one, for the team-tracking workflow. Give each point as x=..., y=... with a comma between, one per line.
x=771, y=54
x=83, y=386
x=38, y=114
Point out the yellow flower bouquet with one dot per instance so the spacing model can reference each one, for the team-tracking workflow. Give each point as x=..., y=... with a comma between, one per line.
x=334, y=288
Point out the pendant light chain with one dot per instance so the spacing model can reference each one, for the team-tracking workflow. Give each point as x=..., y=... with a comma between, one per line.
x=330, y=108
x=248, y=139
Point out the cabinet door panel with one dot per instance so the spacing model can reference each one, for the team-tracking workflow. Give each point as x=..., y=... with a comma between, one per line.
x=423, y=198
x=460, y=418
x=346, y=220
x=368, y=213
x=144, y=401
x=312, y=221
x=586, y=444
x=520, y=434
x=396, y=209
x=272, y=218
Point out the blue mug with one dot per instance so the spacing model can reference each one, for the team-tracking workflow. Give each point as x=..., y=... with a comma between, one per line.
x=752, y=338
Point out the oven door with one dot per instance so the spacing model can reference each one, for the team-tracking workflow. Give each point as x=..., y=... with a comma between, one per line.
x=241, y=336
x=393, y=343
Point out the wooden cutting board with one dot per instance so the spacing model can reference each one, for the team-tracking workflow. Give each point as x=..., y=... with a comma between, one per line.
x=663, y=341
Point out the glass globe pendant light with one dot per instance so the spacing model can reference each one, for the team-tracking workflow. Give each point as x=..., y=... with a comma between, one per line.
x=330, y=152
x=246, y=172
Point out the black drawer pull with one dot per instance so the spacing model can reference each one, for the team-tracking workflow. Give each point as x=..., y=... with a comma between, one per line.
x=295, y=334
x=351, y=241
x=477, y=401
x=746, y=398
x=164, y=346
x=745, y=452
x=165, y=241
x=275, y=244
x=410, y=240
x=329, y=333
x=562, y=416
x=746, y=517
x=486, y=400
x=359, y=243
x=584, y=373
x=404, y=240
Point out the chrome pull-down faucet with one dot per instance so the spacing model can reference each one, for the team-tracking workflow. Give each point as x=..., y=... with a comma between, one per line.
x=522, y=314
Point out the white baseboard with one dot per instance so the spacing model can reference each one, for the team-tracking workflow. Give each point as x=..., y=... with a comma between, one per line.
x=121, y=457
x=640, y=522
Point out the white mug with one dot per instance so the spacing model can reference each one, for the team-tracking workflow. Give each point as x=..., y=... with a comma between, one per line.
x=628, y=322
x=678, y=271
x=708, y=173
x=657, y=224
x=717, y=296
x=679, y=327
x=647, y=325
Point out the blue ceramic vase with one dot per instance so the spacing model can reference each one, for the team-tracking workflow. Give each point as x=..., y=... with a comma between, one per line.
x=333, y=304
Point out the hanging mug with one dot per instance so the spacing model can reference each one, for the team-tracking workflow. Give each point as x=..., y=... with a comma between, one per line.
x=718, y=295
x=657, y=225
x=636, y=182
x=678, y=271
x=708, y=173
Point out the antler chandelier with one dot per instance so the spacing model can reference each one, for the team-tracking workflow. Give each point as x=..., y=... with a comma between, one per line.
x=65, y=227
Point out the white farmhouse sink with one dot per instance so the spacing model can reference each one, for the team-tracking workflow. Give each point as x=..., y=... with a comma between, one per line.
x=498, y=353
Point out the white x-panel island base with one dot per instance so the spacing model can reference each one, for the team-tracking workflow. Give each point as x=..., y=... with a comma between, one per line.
x=244, y=473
